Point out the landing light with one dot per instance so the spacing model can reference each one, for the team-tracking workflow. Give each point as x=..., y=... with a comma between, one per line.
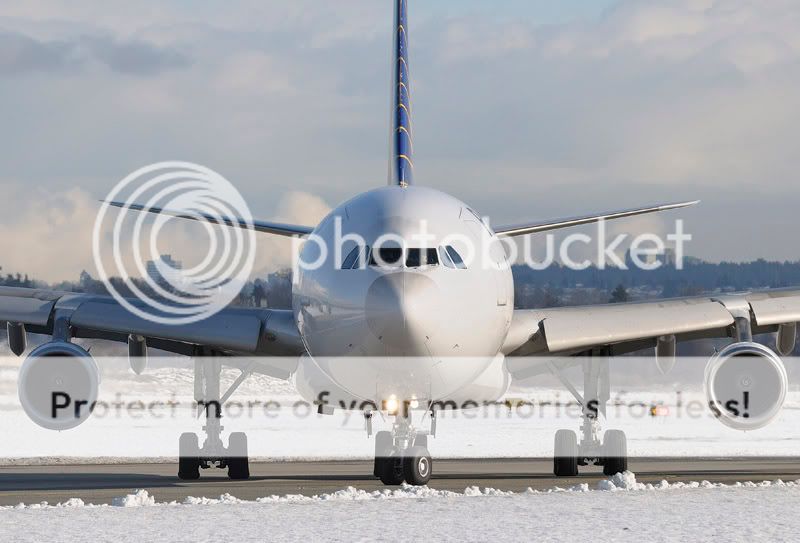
x=391, y=405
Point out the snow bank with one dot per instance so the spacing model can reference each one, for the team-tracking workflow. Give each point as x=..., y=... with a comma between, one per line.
x=620, y=482
x=619, y=509
x=139, y=498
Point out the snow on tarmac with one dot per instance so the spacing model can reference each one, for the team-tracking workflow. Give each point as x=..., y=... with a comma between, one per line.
x=618, y=509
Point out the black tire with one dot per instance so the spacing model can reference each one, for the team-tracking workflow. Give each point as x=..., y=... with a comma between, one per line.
x=392, y=470
x=384, y=444
x=238, y=462
x=188, y=457
x=615, y=446
x=417, y=466
x=565, y=454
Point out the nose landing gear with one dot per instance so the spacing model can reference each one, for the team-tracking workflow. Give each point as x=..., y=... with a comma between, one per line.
x=401, y=455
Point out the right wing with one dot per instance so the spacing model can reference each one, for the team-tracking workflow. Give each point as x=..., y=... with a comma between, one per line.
x=555, y=224
x=281, y=229
x=234, y=331
x=628, y=327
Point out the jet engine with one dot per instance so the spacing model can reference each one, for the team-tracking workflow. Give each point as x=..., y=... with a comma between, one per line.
x=745, y=384
x=58, y=385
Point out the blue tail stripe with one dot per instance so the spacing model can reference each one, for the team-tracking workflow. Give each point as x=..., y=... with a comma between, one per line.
x=402, y=166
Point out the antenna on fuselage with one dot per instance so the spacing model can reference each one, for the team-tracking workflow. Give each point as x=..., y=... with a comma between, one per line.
x=401, y=160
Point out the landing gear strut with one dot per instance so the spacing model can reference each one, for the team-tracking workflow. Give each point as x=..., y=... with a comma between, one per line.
x=612, y=451
x=213, y=453
x=401, y=455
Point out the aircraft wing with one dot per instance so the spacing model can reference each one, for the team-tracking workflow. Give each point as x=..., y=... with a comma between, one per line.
x=281, y=229
x=234, y=331
x=556, y=224
x=627, y=327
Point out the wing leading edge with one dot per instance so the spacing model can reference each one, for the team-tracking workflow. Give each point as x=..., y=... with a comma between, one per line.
x=281, y=229
x=555, y=224
x=637, y=325
x=238, y=331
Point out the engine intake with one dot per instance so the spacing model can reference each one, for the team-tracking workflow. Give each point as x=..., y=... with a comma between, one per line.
x=746, y=385
x=58, y=385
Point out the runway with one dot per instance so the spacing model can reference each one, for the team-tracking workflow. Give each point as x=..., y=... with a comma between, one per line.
x=101, y=483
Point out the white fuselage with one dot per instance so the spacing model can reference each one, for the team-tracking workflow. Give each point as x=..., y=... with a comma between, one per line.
x=381, y=330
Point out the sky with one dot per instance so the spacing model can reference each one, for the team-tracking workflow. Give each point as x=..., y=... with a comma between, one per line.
x=526, y=110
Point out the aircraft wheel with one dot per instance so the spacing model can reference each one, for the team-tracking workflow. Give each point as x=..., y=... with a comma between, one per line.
x=383, y=449
x=188, y=457
x=417, y=466
x=238, y=463
x=565, y=458
x=615, y=445
x=392, y=470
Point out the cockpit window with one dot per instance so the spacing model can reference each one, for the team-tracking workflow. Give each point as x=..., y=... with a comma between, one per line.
x=421, y=257
x=387, y=256
x=445, y=258
x=393, y=257
x=361, y=261
x=351, y=258
x=453, y=259
x=356, y=258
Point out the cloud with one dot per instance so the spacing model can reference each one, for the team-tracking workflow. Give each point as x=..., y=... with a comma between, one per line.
x=652, y=101
x=49, y=235
x=24, y=54
x=20, y=53
x=131, y=57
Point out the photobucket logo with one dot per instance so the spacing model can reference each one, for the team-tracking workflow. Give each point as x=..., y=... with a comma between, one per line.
x=167, y=293
x=646, y=251
x=418, y=246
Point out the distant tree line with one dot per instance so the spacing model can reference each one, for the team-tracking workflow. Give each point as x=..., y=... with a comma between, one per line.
x=274, y=291
x=554, y=286
x=558, y=285
x=16, y=280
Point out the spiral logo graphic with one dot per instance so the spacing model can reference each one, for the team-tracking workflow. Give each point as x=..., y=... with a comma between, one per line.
x=149, y=199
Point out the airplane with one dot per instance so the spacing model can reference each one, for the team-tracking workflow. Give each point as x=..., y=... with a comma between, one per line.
x=407, y=329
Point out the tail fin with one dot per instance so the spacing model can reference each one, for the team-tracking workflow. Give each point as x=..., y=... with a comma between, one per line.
x=401, y=160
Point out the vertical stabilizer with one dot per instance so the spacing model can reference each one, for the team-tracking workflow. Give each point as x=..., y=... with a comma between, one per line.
x=401, y=159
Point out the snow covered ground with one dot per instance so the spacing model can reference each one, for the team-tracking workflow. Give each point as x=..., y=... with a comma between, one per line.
x=619, y=509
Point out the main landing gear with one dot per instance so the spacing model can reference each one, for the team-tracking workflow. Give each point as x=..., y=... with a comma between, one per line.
x=401, y=455
x=612, y=451
x=192, y=457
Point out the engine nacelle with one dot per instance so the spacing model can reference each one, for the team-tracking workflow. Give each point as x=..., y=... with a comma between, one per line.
x=745, y=384
x=58, y=385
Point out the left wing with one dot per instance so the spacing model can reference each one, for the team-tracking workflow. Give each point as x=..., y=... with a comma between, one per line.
x=627, y=327
x=232, y=331
x=555, y=224
x=281, y=229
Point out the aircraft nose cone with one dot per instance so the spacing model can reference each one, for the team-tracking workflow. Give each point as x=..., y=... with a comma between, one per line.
x=402, y=310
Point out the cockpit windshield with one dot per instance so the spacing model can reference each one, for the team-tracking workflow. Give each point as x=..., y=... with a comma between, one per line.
x=396, y=257
x=386, y=257
x=422, y=257
x=451, y=258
